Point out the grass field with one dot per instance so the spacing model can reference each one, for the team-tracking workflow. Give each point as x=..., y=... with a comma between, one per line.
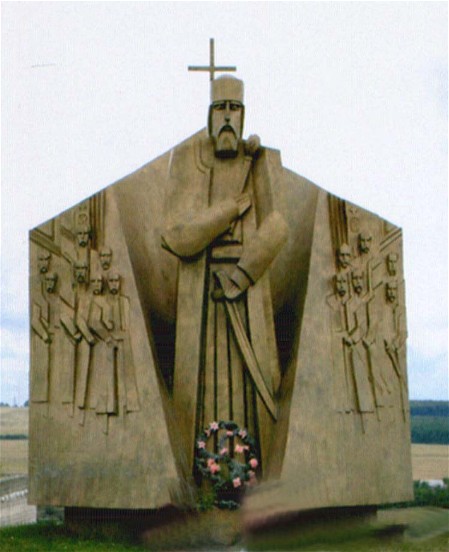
x=14, y=453
x=430, y=461
x=13, y=421
x=13, y=457
x=426, y=530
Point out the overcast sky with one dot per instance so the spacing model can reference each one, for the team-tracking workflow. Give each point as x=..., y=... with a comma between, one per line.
x=353, y=94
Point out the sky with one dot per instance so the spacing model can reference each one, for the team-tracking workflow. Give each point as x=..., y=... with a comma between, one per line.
x=353, y=94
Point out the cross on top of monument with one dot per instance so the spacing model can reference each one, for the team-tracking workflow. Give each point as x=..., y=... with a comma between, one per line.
x=211, y=68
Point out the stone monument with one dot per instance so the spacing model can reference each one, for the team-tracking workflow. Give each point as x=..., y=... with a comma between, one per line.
x=216, y=323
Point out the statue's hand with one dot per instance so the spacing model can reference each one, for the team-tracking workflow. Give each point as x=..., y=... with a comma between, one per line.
x=243, y=203
x=252, y=145
x=231, y=287
x=239, y=283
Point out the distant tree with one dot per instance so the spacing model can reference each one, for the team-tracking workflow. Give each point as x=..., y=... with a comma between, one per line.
x=26, y=403
x=430, y=429
x=4, y=404
x=429, y=408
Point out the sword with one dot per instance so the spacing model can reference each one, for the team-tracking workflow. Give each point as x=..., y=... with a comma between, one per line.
x=244, y=345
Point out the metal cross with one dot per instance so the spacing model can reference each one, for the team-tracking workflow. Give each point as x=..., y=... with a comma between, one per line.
x=211, y=68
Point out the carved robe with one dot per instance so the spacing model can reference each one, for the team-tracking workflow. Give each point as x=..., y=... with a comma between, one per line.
x=344, y=399
x=211, y=381
x=395, y=335
x=358, y=327
x=122, y=355
x=40, y=347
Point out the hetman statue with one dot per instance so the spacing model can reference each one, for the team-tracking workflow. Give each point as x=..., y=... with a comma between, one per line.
x=228, y=263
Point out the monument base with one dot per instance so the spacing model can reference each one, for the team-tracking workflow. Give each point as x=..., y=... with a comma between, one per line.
x=172, y=529
x=162, y=529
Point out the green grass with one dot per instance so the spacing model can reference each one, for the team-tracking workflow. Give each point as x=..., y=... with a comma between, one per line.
x=52, y=537
x=426, y=530
x=406, y=530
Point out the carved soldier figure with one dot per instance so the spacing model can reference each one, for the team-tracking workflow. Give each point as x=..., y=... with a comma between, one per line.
x=42, y=324
x=395, y=335
x=87, y=340
x=69, y=339
x=121, y=350
x=357, y=330
x=344, y=398
x=99, y=391
x=220, y=233
x=373, y=343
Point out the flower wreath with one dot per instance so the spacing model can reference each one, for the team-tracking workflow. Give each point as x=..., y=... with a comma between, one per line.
x=228, y=476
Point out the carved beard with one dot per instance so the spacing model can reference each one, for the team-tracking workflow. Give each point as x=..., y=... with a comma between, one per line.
x=226, y=143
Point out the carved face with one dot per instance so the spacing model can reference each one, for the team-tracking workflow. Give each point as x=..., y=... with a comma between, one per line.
x=365, y=240
x=392, y=263
x=357, y=281
x=341, y=285
x=391, y=291
x=50, y=281
x=114, y=283
x=105, y=258
x=96, y=284
x=82, y=236
x=344, y=256
x=80, y=272
x=226, y=125
x=43, y=262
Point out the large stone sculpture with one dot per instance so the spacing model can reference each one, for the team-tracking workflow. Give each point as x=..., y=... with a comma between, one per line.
x=212, y=286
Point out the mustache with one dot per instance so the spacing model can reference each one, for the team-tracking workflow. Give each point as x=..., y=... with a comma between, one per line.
x=227, y=128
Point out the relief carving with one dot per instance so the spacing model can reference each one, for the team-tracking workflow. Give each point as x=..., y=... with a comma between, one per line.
x=187, y=300
x=44, y=324
x=344, y=399
x=395, y=335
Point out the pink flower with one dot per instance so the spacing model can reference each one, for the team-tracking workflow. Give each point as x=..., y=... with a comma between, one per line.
x=236, y=482
x=229, y=433
x=214, y=468
x=213, y=426
x=239, y=448
x=245, y=447
x=224, y=450
x=243, y=433
x=201, y=444
x=253, y=463
x=210, y=461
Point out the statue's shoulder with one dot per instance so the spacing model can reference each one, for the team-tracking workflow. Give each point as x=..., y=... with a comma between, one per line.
x=196, y=151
